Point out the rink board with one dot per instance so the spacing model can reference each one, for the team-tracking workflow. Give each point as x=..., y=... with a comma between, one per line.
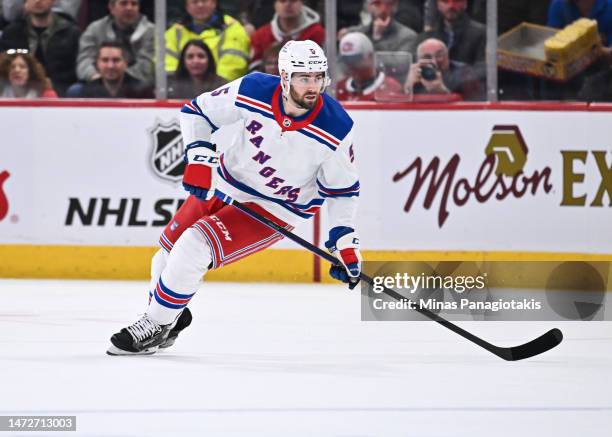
x=85, y=190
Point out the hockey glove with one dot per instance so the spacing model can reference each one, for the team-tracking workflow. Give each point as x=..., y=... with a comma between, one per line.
x=343, y=243
x=201, y=158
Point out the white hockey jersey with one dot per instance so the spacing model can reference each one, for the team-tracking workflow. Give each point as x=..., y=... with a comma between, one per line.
x=289, y=166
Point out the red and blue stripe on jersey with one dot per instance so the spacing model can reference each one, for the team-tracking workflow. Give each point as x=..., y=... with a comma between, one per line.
x=328, y=123
x=351, y=191
x=194, y=108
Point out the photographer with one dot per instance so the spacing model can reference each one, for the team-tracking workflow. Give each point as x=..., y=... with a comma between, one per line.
x=435, y=73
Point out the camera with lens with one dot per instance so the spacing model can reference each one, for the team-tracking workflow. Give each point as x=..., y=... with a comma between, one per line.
x=429, y=72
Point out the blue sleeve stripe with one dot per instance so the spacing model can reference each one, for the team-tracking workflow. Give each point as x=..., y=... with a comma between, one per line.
x=334, y=191
x=201, y=143
x=353, y=194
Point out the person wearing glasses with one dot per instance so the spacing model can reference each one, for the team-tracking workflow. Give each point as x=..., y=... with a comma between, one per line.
x=22, y=76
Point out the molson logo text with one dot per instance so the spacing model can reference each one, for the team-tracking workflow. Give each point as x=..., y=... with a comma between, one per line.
x=573, y=177
x=4, y=206
x=502, y=174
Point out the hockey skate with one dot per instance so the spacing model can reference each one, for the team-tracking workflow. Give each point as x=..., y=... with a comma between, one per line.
x=145, y=336
x=183, y=321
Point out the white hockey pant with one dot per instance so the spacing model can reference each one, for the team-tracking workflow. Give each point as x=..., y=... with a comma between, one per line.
x=176, y=276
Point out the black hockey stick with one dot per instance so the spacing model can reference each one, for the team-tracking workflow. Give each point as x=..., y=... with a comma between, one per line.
x=532, y=348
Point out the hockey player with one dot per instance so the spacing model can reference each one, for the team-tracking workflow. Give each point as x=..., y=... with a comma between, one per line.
x=292, y=150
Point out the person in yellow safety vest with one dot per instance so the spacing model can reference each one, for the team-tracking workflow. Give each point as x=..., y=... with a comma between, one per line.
x=227, y=39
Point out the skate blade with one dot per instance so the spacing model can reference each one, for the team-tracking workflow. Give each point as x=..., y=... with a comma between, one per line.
x=115, y=351
x=166, y=344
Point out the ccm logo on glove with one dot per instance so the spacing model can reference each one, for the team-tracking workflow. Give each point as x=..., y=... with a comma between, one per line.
x=201, y=157
x=213, y=160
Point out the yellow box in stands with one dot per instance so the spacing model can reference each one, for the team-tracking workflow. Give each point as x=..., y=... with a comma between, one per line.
x=547, y=52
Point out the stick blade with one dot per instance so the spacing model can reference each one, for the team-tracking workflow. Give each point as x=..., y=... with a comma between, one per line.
x=543, y=343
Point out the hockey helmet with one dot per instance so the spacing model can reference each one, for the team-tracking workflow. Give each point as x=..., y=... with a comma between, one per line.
x=301, y=57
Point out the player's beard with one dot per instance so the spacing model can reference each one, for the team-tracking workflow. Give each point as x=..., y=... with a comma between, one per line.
x=301, y=102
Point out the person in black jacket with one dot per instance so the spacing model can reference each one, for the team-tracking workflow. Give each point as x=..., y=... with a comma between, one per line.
x=51, y=38
x=114, y=81
x=465, y=38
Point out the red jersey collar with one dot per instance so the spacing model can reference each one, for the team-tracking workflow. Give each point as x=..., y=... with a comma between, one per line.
x=286, y=122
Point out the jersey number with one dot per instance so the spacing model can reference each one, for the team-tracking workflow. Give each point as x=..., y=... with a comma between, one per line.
x=220, y=91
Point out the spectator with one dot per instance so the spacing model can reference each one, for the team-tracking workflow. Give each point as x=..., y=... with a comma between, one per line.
x=598, y=87
x=128, y=27
x=113, y=77
x=386, y=33
x=51, y=38
x=292, y=21
x=564, y=12
x=225, y=36
x=348, y=12
x=363, y=82
x=175, y=10
x=196, y=72
x=435, y=73
x=22, y=76
x=477, y=9
x=14, y=9
x=269, y=63
x=465, y=38
x=407, y=12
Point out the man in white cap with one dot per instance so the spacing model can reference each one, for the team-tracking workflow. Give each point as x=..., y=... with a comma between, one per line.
x=291, y=151
x=364, y=81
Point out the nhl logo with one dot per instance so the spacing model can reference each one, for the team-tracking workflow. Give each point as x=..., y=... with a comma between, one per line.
x=286, y=122
x=167, y=151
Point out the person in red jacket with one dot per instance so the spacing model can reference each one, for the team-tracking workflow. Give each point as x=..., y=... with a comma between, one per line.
x=292, y=21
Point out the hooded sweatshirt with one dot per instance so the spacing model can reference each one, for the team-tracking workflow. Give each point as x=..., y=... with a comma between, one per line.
x=309, y=27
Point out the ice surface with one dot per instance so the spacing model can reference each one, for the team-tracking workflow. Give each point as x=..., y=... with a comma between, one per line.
x=289, y=360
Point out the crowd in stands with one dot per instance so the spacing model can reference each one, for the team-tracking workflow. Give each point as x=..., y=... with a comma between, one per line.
x=388, y=50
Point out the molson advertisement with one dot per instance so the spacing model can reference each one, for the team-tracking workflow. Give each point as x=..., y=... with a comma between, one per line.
x=485, y=181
